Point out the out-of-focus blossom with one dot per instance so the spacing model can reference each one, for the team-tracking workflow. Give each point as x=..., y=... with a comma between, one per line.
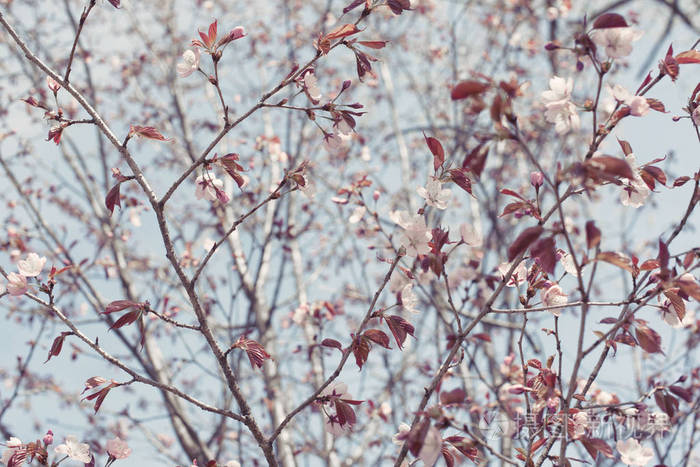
x=211, y=188
x=312, y=89
x=357, y=214
x=559, y=108
x=118, y=449
x=32, y=266
x=617, y=42
x=75, y=450
x=432, y=445
x=470, y=235
x=232, y=464
x=636, y=191
x=48, y=438
x=434, y=194
x=189, y=63
x=16, y=284
x=638, y=105
x=409, y=299
x=401, y=435
x=14, y=448
x=567, y=261
x=633, y=453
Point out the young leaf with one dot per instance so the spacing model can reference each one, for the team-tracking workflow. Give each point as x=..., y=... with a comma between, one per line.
x=468, y=88
x=256, y=352
x=58, y=345
x=400, y=328
x=526, y=238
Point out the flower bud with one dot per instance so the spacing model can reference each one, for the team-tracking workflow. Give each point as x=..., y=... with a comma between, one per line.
x=536, y=179
x=48, y=438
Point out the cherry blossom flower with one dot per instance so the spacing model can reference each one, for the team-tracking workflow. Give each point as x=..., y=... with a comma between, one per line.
x=332, y=142
x=48, y=438
x=580, y=424
x=75, y=450
x=434, y=194
x=470, y=235
x=636, y=191
x=432, y=445
x=519, y=274
x=397, y=282
x=559, y=108
x=211, y=188
x=311, y=85
x=415, y=237
x=16, y=284
x=189, y=63
x=409, y=299
x=32, y=266
x=232, y=464
x=14, y=449
x=336, y=395
x=633, y=453
x=567, y=262
x=118, y=449
x=553, y=296
x=401, y=435
x=536, y=179
x=638, y=105
x=670, y=316
x=357, y=214
x=617, y=42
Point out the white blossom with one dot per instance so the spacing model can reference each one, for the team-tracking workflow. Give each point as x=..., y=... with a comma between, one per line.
x=211, y=188
x=471, y=235
x=312, y=88
x=519, y=274
x=554, y=296
x=16, y=284
x=75, y=450
x=434, y=194
x=357, y=214
x=617, y=42
x=13, y=444
x=633, y=453
x=415, y=237
x=32, y=266
x=636, y=191
x=638, y=105
x=189, y=63
x=409, y=299
x=558, y=106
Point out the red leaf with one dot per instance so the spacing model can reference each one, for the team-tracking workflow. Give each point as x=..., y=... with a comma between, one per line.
x=677, y=302
x=437, y=150
x=684, y=393
x=374, y=44
x=649, y=265
x=595, y=446
x=655, y=172
x=100, y=395
x=416, y=436
x=113, y=198
x=119, y=305
x=456, y=396
x=361, y=348
x=655, y=104
x=664, y=255
x=680, y=181
x=592, y=235
x=688, y=286
x=459, y=176
x=126, y=319
x=344, y=30
x=626, y=147
x=618, y=259
x=57, y=345
x=546, y=252
x=146, y=132
x=332, y=343
x=115, y=3
x=345, y=413
x=468, y=88
x=610, y=20
x=526, y=238
x=378, y=337
x=507, y=191
x=476, y=160
x=256, y=352
x=400, y=328
x=612, y=166
x=648, y=339
x=689, y=56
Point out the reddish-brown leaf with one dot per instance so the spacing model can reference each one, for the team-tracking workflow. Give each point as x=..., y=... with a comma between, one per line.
x=341, y=31
x=361, y=348
x=437, y=150
x=255, y=351
x=113, y=198
x=456, y=396
x=126, y=319
x=374, y=44
x=468, y=88
x=664, y=255
x=119, y=305
x=416, y=436
x=459, y=176
x=332, y=343
x=595, y=446
x=400, y=328
x=546, y=253
x=688, y=286
x=677, y=302
x=146, y=132
x=476, y=160
x=689, y=56
x=378, y=337
x=655, y=104
x=526, y=238
x=593, y=235
x=610, y=20
x=612, y=166
x=626, y=147
x=684, y=393
x=680, y=181
x=58, y=345
x=618, y=259
x=648, y=339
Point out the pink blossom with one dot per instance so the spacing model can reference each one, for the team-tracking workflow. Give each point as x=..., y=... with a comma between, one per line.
x=52, y=84
x=189, y=63
x=519, y=274
x=236, y=33
x=211, y=188
x=536, y=179
x=633, y=453
x=415, y=237
x=16, y=284
x=554, y=296
x=14, y=448
x=617, y=42
x=75, y=450
x=638, y=105
x=471, y=235
x=434, y=194
x=32, y=266
x=48, y=438
x=118, y=449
